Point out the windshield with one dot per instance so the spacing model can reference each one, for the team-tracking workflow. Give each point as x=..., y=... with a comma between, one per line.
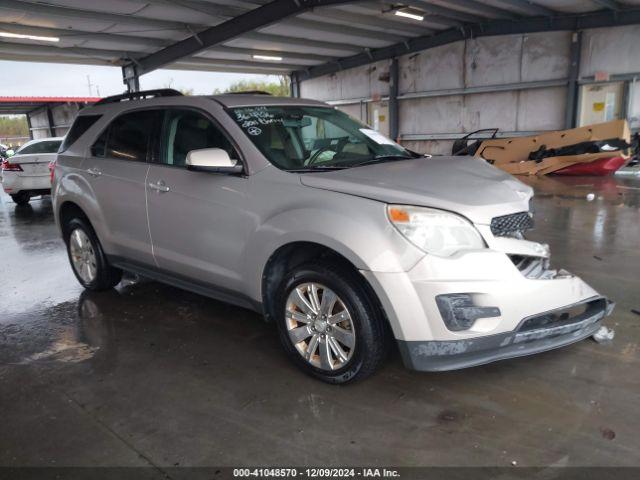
x=314, y=138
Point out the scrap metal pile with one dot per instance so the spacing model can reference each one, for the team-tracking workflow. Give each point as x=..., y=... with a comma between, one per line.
x=592, y=150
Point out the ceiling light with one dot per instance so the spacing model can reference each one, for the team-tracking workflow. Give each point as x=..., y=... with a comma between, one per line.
x=410, y=13
x=29, y=37
x=271, y=58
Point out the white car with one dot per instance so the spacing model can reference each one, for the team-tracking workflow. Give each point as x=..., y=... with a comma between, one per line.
x=26, y=174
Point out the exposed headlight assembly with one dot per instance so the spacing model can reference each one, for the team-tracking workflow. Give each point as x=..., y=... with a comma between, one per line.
x=435, y=231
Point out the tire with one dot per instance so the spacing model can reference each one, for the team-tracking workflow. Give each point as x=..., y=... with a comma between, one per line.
x=365, y=327
x=21, y=198
x=103, y=276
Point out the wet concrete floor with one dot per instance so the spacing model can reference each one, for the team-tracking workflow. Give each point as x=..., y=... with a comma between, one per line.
x=151, y=375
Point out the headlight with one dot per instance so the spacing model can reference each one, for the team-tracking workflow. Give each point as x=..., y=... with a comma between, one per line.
x=435, y=231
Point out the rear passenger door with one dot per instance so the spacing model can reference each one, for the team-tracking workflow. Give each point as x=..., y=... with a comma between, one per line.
x=116, y=170
x=198, y=221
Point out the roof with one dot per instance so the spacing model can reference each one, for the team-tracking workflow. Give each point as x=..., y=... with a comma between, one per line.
x=20, y=105
x=300, y=37
x=226, y=100
x=239, y=100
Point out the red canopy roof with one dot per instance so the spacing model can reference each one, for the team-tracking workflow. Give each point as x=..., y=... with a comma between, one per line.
x=49, y=99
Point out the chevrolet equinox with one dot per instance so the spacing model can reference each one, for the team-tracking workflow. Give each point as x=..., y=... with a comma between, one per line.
x=336, y=233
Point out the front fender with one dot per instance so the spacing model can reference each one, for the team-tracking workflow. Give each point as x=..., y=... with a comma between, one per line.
x=359, y=232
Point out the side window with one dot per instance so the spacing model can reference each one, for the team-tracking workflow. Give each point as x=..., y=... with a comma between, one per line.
x=81, y=124
x=187, y=130
x=128, y=137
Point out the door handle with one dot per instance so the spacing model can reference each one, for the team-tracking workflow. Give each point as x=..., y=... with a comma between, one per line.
x=159, y=186
x=94, y=172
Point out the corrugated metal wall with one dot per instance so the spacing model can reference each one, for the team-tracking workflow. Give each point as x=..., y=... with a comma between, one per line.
x=517, y=83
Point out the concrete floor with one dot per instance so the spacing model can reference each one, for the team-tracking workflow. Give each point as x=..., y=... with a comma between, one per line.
x=152, y=375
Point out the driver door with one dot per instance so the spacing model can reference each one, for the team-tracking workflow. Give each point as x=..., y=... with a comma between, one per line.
x=198, y=220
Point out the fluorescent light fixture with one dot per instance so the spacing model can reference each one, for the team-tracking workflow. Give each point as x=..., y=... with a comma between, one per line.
x=413, y=14
x=29, y=37
x=271, y=58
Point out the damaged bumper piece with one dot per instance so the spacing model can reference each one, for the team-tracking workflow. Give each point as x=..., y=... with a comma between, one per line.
x=486, y=305
x=534, y=335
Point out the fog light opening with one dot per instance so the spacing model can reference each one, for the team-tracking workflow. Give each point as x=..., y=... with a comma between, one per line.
x=459, y=312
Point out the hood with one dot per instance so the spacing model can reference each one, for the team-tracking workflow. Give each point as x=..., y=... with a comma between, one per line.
x=464, y=185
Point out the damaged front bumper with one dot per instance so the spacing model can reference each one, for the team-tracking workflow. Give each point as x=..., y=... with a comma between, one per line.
x=527, y=339
x=497, y=304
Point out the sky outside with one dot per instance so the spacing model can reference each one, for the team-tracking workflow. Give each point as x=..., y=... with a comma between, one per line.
x=51, y=79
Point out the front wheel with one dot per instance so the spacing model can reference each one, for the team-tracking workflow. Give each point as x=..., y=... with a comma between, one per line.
x=328, y=323
x=21, y=198
x=89, y=263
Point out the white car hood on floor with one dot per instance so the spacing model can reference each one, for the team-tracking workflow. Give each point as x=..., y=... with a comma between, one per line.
x=464, y=185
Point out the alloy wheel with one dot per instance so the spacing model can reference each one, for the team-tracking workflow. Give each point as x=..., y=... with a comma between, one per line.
x=320, y=326
x=83, y=256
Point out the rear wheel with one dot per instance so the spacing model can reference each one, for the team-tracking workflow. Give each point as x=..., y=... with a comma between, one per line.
x=21, y=198
x=328, y=323
x=88, y=261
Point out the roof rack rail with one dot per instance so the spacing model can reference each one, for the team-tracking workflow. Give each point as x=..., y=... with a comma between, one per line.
x=161, y=92
x=250, y=92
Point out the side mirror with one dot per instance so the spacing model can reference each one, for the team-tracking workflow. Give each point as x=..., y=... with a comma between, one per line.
x=214, y=160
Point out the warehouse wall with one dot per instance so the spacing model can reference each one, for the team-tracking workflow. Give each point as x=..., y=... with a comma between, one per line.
x=63, y=116
x=516, y=83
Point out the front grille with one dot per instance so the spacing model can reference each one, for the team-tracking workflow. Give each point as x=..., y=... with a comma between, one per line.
x=511, y=225
x=565, y=316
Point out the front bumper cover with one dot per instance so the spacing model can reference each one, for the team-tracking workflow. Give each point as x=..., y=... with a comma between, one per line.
x=439, y=355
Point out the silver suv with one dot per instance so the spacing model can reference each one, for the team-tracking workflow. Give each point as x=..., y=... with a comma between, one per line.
x=337, y=234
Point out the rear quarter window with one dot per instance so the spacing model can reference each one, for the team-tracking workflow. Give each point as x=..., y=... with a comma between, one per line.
x=79, y=127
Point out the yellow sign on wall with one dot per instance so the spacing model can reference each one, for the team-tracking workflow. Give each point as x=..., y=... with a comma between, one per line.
x=598, y=106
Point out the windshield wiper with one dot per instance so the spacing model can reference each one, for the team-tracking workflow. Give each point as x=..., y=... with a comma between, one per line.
x=383, y=158
x=317, y=168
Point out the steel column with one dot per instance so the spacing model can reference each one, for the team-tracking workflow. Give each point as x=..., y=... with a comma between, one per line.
x=394, y=110
x=50, y=123
x=131, y=78
x=29, y=126
x=574, y=75
x=295, y=85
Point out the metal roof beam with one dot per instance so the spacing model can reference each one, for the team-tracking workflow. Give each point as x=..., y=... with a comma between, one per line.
x=530, y=7
x=260, y=17
x=430, y=21
x=82, y=35
x=364, y=21
x=120, y=57
x=152, y=24
x=59, y=11
x=152, y=42
x=332, y=28
x=303, y=42
x=230, y=11
x=482, y=8
x=443, y=12
x=573, y=22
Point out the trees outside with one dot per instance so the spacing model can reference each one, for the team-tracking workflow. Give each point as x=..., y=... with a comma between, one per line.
x=14, y=129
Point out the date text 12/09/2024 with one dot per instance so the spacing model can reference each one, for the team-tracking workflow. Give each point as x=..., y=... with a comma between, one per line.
x=315, y=473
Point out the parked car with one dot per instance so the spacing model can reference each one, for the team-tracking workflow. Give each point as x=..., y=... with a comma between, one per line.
x=334, y=232
x=26, y=173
